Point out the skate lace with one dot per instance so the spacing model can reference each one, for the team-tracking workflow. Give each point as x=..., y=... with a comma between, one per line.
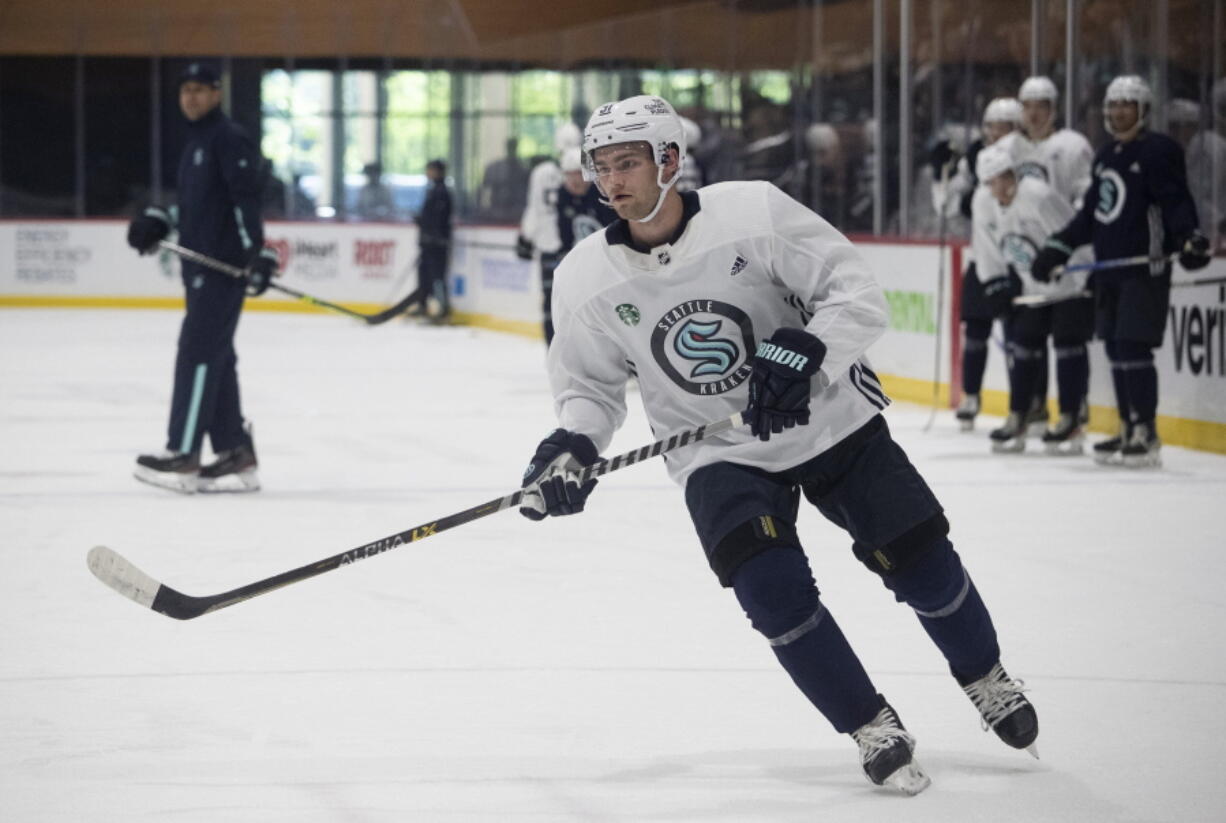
x=878, y=735
x=996, y=696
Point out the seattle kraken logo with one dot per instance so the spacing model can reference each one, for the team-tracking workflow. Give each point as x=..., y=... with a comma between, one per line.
x=697, y=341
x=702, y=346
x=1018, y=250
x=1111, y=196
x=1030, y=168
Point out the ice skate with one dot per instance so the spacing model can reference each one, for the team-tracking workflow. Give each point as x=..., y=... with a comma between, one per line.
x=1036, y=418
x=886, y=753
x=966, y=412
x=177, y=471
x=234, y=470
x=1004, y=710
x=1107, y=452
x=1011, y=437
x=1142, y=449
x=1067, y=437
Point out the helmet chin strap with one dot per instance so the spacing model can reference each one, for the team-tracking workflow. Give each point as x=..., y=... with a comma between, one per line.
x=664, y=187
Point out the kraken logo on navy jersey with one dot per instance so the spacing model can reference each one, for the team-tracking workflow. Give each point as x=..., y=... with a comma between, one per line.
x=702, y=344
x=583, y=225
x=1111, y=196
x=1018, y=250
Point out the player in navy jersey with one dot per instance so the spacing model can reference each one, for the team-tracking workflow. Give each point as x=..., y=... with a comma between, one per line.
x=734, y=298
x=1138, y=204
x=580, y=212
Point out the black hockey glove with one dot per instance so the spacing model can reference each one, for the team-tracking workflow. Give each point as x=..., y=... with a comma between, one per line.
x=1053, y=254
x=780, y=383
x=999, y=292
x=941, y=156
x=261, y=270
x=1195, y=252
x=148, y=229
x=523, y=248
x=551, y=481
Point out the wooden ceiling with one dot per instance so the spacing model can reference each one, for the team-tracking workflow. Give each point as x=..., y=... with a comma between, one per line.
x=718, y=34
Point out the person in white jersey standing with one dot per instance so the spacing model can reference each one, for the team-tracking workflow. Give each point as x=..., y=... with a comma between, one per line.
x=736, y=297
x=1061, y=158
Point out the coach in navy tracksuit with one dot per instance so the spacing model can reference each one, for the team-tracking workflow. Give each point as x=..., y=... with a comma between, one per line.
x=221, y=175
x=1138, y=204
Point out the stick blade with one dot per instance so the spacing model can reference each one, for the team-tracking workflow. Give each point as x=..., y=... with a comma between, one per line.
x=116, y=572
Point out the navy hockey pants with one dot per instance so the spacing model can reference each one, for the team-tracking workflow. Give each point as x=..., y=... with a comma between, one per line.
x=205, y=399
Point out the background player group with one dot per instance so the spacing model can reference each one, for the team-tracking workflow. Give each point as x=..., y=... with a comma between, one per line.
x=1039, y=198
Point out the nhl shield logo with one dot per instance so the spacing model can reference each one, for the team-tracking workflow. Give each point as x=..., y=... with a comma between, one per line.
x=629, y=314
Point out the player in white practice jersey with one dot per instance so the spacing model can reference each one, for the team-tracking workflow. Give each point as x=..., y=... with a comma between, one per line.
x=1061, y=158
x=538, y=227
x=1014, y=215
x=736, y=297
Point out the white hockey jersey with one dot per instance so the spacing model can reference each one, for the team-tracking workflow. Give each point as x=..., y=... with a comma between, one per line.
x=540, y=219
x=686, y=317
x=1013, y=235
x=1064, y=161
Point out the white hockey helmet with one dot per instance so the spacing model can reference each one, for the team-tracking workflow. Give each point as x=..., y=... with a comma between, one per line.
x=1004, y=110
x=992, y=161
x=1038, y=88
x=643, y=118
x=566, y=136
x=571, y=160
x=1128, y=88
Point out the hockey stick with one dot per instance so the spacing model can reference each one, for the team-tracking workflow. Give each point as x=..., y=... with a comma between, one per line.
x=936, y=359
x=1038, y=301
x=235, y=271
x=115, y=571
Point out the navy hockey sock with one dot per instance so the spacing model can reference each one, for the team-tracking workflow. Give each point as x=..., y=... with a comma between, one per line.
x=951, y=611
x=1072, y=375
x=1024, y=364
x=777, y=591
x=975, y=355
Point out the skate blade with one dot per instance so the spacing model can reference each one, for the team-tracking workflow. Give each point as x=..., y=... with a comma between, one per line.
x=966, y=425
x=1108, y=459
x=181, y=483
x=1068, y=448
x=1014, y=446
x=238, y=483
x=1146, y=461
x=909, y=779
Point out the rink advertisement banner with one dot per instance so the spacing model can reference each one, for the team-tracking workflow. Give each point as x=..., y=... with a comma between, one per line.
x=371, y=265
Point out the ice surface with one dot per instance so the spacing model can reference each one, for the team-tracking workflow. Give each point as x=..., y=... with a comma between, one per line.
x=585, y=669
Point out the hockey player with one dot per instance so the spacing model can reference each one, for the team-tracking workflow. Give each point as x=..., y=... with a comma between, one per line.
x=1007, y=234
x=1061, y=158
x=580, y=213
x=538, y=227
x=1001, y=117
x=220, y=185
x=1137, y=204
x=736, y=297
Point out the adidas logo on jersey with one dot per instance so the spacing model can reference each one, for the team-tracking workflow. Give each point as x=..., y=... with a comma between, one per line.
x=738, y=266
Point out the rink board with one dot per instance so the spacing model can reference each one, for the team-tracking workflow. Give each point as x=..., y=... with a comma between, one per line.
x=367, y=266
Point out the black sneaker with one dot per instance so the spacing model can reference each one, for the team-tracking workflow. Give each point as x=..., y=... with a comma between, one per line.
x=177, y=471
x=1004, y=709
x=886, y=753
x=234, y=470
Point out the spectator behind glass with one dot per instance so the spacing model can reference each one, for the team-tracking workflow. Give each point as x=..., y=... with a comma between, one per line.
x=375, y=199
x=504, y=187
